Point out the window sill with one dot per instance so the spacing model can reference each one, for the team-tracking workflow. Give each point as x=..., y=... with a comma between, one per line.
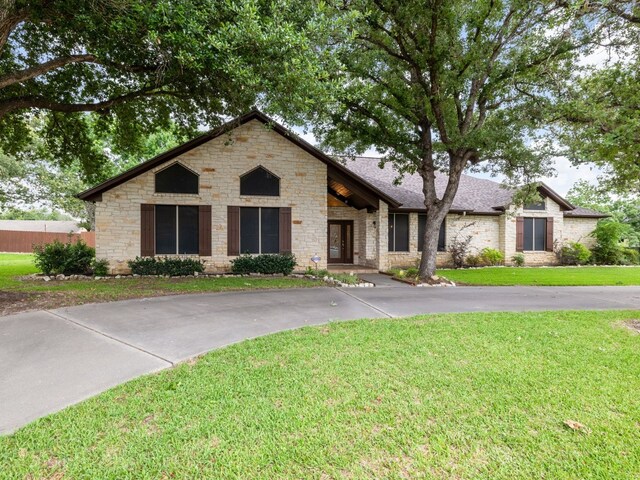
x=181, y=195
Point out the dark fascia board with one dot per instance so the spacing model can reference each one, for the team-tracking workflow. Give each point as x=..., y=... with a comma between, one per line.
x=570, y=214
x=452, y=212
x=94, y=194
x=549, y=192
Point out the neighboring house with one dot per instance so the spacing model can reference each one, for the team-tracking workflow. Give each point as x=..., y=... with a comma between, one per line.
x=251, y=186
x=48, y=226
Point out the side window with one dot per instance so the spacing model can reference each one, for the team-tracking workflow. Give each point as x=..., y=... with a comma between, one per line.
x=398, y=232
x=260, y=181
x=176, y=229
x=176, y=179
x=259, y=230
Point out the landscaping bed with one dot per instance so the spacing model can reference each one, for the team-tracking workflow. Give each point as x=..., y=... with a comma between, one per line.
x=494, y=396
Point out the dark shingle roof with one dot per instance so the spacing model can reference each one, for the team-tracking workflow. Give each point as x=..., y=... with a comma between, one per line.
x=474, y=194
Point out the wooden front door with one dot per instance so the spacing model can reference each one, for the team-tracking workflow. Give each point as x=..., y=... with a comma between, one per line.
x=340, y=241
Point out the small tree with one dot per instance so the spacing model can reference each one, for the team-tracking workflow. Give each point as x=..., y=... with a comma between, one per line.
x=459, y=245
x=608, y=235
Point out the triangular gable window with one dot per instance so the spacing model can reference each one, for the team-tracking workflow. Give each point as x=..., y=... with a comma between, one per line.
x=176, y=179
x=260, y=181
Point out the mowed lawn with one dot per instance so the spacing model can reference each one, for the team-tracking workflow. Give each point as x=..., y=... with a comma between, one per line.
x=17, y=295
x=444, y=396
x=551, y=276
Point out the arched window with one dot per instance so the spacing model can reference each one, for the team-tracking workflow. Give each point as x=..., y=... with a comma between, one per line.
x=176, y=179
x=260, y=181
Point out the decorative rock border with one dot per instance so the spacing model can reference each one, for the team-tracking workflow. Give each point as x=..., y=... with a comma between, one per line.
x=328, y=279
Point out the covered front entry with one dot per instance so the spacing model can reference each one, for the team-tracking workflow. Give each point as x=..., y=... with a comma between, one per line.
x=340, y=241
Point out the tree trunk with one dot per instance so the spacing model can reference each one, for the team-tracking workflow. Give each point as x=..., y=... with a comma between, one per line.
x=430, y=246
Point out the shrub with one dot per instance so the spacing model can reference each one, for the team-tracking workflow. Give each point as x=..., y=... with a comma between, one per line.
x=574, y=253
x=607, y=249
x=473, y=261
x=518, y=260
x=165, y=266
x=100, y=267
x=459, y=246
x=321, y=272
x=412, y=272
x=265, y=264
x=491, y=256
x=631, y=256
x=66, y=258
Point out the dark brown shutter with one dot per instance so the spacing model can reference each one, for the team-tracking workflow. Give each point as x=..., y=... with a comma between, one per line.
x=285, y=230
x=147, y=220
x=233, y=231
x=204, y=230
x=549, y=234
x=519, y=234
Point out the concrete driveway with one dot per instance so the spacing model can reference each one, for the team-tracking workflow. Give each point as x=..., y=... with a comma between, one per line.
x=51, y=359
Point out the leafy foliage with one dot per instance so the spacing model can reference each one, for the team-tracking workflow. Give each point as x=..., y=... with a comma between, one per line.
x=608, y=235
x=125, y=68
x=265, y=264
x=173, y=267
x=518, y=259
x=100, y=267
x=491, y=256
x=573, y=253
x=64, y=258
x=624, y=208
x=459, y=246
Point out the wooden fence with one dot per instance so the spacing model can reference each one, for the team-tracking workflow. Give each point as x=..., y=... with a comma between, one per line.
x=23, y=242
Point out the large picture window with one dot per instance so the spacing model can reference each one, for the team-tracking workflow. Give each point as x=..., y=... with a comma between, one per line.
x=441, y=234
x=398, y=232
x=534, y=234
x=260, y=181
x=259, y=230
x=176, y=179
x=176, y=229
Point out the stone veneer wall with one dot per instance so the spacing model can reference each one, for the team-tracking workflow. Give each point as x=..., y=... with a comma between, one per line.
x=485, y=231
x=579, y=230
x=532, y=258
x=220, y=163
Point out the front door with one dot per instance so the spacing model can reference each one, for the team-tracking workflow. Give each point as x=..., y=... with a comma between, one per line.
x=340, y=241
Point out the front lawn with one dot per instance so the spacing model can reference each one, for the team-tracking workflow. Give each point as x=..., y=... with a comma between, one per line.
x=551, y=276
x=17, y=295
x=493, y=396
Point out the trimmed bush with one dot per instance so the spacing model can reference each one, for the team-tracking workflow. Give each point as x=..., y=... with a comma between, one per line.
x=174, y=267
x=518, y=260
x=266, y=264
x=473, y=261
x=64, y=258
x=100, y=267
x=574, y=253
x=491, y=256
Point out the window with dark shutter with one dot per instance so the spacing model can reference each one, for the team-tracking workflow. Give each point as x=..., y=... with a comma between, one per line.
x=259, y=230
x=398, y=232
x=176, y=179
x=534, y=234
x=422, y=219
x=176, y=230
x=260, y=181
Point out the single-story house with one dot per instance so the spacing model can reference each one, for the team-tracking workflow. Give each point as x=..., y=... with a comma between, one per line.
x=252, y=186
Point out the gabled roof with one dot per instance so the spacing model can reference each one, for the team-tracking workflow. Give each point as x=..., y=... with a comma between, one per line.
x=95, y=193
x=475, y=195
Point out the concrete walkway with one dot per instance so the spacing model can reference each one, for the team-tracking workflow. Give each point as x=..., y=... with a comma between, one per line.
x=51, y=359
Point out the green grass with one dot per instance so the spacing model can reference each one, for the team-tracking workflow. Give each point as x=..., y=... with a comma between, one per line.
x=39, y=294
x=443, y=396
x=554, y=276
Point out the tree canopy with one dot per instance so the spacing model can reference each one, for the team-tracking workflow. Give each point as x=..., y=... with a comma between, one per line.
x=139, y=66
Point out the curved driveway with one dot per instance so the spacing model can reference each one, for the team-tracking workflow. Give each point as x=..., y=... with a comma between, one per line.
x=51, y=359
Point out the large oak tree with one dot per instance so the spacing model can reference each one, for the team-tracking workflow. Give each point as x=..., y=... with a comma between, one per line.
x=447, y=85
x=125, y=68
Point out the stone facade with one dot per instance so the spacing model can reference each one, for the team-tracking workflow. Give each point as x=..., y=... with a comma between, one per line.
x=579, y=230
x=220, y=163
x=303, y=187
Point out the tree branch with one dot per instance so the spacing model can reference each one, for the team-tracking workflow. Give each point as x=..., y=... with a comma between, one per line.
x=32, y=72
